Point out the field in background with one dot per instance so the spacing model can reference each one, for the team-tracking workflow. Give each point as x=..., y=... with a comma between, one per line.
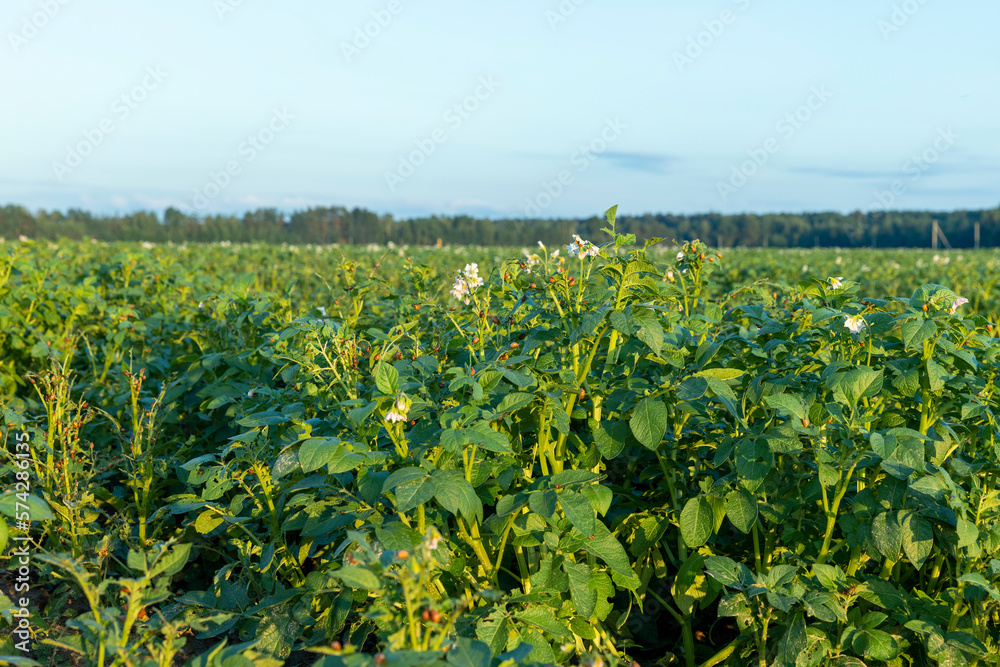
x=403, y=455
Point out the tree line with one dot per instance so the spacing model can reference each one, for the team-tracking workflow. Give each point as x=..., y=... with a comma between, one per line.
x=325, y=225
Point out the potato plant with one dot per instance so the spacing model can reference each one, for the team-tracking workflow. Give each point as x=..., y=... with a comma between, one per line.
x=593, y=454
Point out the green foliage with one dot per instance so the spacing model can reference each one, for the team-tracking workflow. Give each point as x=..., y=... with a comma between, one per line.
x=603, y=455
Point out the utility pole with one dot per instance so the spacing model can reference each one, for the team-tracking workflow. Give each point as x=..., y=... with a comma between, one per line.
x=977, y=235
x=937, y=233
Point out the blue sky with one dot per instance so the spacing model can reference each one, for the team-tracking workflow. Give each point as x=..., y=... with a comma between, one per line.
x=546, y=108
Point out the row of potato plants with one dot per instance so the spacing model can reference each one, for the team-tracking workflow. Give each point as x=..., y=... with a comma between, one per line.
x=583, y=456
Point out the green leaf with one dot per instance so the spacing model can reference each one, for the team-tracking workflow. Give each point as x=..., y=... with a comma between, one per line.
x=543, y=503
x=358, y=415
x=600, y=498
x=543, y=618
x=883, y=594
x=968, y=533
x=413, y=493
x=387, y=379
x=172, y=561
x=621, y=323
x=519, y=379
x=316, y=452
x=486, y=438
x=582, y=628
x=915, y=332
x=828, y=475
x=697, y=521
x=609, y=436
x=923, y=627
x=918, y=539
x=692, y=388
x=860, y=382
x=21, y=661
x=721, y=373
x=650, y=330
x=357, y=577
x=560, y=419
x=266, y=418
x=728, y=572
x=578, y=510
x=907, y=384
x=937, y=376
x=571, y=477
x=601, y=584
x=887, y=533
x=649, y=422
x=754, y=461
x=980, y=581
x=541, y=651
x=610, y=215
x=4, y=535
x=780, y=575
x=875, y=644
x=344, y=460
x=396, y=536
x=38, y=509
x=605, y=546
x=741, y=508
x=402, y=476
x=847, y=661
x=276, y=634
x=724, y=393
x=466, y=652
x=493, y=630
x=786, y=404
x=285, y=463
x=584, y=598
x=794, y=643
x=691, y=585
x=456, y=495
x=831, y=577
x=967, y=644
x=513, y=402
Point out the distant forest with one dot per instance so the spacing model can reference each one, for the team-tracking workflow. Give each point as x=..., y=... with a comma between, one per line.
x=882, y=229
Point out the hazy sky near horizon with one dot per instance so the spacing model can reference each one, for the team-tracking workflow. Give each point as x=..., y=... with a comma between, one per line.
x=545, y=108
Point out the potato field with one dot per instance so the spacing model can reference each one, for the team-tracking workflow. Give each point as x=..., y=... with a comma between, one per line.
x=604, y=453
